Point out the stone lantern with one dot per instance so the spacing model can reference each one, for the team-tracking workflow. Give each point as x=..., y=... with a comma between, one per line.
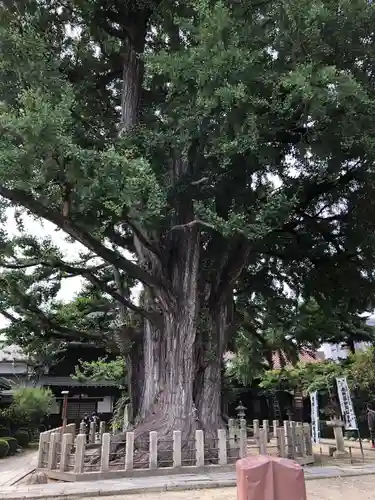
x=241, y=411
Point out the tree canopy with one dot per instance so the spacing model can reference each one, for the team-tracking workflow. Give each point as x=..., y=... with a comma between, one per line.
x=219, y=153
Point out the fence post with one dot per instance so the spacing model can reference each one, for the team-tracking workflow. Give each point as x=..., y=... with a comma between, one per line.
x=66, y=449
x=104, y=456
x=243, y=423
x=288, y=439
x=177, y=459
x=266, y=427
x=199, y=448
x=307, y=439
x=280, y=435
x=232, y=433
x=243, y=443
x=263, y=441
x=300, y=445
x=129, y=450
x=293, y=438
x=43, y=437
x=275, y=425
x=256, y=429
x=52, y=452
x=101, y=430
x=82, y=428
x=153, y=462
x=80, y=453
x=222, y=447
x=92, y=432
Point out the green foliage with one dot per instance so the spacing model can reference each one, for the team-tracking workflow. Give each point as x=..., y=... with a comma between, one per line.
x=4, y=448
x=13, y=445
x=22, y=437
x=253, y=146
x=33, y=402
x=102, y=369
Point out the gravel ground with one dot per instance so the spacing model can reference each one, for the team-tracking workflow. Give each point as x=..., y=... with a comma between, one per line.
x=362, y=488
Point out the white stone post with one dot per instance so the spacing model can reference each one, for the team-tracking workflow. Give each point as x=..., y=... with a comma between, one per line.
x=92, y=432
x=280, y=436
x=243, y=424
x=256, y=427
x=232, y=433
x=79, y=458
x=243, y=443
x=104, y=456
x=222, y=446
x=293, y=438
x=263, y=441
x=266, y=428
x=275, y=425
x=288, y=439
x=43, y=439
x=66, y=449
x=82, y=428
x=129, y=451
x=52, y=452
x=101, y=430
x=307, y=439
x=153, y=462
x=177, y=458
x=199, y=448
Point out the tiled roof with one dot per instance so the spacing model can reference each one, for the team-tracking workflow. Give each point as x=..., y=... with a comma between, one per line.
x=304, y=357
x=12, y=353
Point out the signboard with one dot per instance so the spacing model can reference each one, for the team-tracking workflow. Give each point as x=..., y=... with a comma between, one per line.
x=315, y=427
x=346, y=404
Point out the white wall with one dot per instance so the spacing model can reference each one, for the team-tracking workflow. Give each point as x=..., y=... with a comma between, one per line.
x=7, y=368
x=105, y=406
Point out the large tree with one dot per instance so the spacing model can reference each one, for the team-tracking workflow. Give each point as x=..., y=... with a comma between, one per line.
x=210, y=150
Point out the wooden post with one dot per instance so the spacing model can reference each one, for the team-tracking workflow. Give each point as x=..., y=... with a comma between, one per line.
x=199, y=448
x=263, y=441
x=222, y=447
x=66, y=449
x=177, y=458
x=153, y=461
x=104, y=456
x=280, y=434
x=80, y=453
x=52, y=452
x=129, y=451
x=243, y=443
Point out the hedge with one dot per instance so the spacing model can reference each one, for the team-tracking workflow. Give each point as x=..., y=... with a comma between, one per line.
x=23, y=438
x=4, y=448
x=13, y=445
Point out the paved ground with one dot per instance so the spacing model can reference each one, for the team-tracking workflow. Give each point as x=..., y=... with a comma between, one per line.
x=148, y=488
x=13, y=469
x=323, y=489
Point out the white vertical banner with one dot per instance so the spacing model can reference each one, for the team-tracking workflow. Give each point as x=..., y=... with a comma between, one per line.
x=346, y=404
x=315, y=427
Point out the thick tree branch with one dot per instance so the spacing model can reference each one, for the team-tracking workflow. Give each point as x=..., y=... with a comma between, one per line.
x=79, y=234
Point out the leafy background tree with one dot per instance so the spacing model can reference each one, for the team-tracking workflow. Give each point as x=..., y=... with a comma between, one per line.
x=216, y=153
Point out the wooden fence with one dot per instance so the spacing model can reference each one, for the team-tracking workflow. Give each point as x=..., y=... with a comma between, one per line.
x=76, y=458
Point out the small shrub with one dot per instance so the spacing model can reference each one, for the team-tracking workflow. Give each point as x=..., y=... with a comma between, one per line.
x=23, y=438
x=13, y=445
x=4, y=432
x=4, y=448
